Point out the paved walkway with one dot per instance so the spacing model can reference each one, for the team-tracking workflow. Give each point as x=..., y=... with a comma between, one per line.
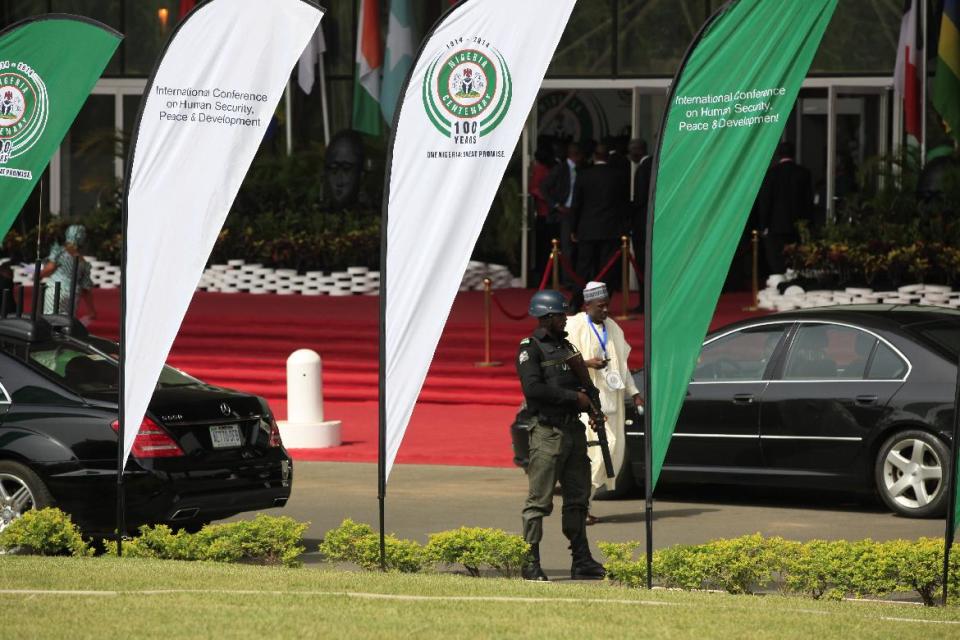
x=426, y=499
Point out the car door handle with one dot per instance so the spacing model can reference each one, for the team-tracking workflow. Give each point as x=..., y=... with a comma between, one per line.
x=743, y=398
x=866, y=400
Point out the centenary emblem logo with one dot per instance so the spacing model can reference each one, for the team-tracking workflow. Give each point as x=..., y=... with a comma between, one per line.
x=467, y=90
x=24, y=109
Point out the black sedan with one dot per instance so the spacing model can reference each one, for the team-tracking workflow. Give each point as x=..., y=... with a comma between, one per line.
x=202, y=453
x=854, y=398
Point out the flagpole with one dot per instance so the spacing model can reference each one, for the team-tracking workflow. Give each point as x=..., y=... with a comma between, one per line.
x=288, y=117
x=949, y=531
x=923, y=85
x=323, y=101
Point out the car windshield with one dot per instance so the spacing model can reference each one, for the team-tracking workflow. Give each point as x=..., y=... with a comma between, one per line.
x=942, y=333
x=85, y=369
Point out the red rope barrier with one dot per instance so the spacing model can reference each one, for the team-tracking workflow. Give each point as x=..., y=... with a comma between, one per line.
x=570, y=272
x=610, y=264
x=503, y=310
x=547, y=272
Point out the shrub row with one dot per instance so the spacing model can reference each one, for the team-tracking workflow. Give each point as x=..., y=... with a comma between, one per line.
x=817, y=569
x=474, y=548
x=264, y=540
x=44, y=532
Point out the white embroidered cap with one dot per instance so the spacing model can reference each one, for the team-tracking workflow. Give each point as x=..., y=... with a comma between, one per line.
x=595, y=291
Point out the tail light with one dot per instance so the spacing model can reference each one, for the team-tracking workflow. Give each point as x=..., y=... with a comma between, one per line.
x=152, y=441
x=275, y=440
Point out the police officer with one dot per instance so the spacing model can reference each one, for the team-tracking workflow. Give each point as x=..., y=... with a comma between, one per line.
x=558, y=443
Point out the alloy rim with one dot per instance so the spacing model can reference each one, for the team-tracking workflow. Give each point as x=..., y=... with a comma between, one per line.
x=912, y=473
x=15, y=499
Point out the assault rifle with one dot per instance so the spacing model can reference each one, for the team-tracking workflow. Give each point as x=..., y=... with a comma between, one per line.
x=597, y=419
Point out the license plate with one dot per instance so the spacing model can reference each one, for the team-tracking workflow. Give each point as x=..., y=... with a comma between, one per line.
x=226, y=436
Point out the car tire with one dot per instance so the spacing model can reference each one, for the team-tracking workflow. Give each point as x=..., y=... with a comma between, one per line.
x=910, y=472
x=16, y=477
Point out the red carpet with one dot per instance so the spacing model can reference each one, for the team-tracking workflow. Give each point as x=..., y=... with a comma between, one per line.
x=241, y=341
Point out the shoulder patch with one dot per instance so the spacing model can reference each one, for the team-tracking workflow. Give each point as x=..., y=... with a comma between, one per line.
x=525, y=341
x=524, y=356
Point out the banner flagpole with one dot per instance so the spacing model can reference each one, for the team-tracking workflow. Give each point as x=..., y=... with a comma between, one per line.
x=950, y=528
x=648, y=299
x=384, y=219
x=452, y=146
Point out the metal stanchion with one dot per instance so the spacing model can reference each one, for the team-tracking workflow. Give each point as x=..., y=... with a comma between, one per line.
x=625, y=278
x=755, y=301
x=555, y=256
x=487, y=295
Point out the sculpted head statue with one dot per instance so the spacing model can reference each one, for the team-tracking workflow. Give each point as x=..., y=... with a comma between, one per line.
x=344, y=168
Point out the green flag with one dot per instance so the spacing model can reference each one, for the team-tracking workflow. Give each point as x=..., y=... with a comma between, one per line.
x=946, y=86
x=48, y=66
x=726, y=113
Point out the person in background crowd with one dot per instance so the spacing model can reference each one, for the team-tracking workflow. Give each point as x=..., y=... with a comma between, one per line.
x=59, y=268
x=605, y=351
x=558, y=442
x=547, y=221
x=785, y=198
x=600, y=203
x=558, y=188
x=642, y=175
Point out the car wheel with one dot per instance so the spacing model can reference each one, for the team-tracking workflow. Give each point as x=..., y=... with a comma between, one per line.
x=910, y=474
x=20, y=490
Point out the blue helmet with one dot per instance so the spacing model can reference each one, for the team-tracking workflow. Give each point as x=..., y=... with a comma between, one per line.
x=548, y=301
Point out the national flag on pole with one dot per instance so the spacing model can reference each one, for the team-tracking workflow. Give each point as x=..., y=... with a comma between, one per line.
x=906, y=78
x=366, y=90
x=185, y=7
x=946, y=85
x=312, y=57
x=48, y=66
x=399, y=56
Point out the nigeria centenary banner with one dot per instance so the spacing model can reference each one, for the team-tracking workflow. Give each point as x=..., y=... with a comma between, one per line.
x=203, y=116
x=467, y=97
x=48, y=66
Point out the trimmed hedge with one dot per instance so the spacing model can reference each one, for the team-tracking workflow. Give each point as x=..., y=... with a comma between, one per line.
x=357, y=543
x=44, y=532
x=474, y=548
x=264, y=540
x=816, y=569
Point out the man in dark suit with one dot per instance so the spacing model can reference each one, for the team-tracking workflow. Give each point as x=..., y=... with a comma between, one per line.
x=600, y=203
x=785, y=198
x=558, y=188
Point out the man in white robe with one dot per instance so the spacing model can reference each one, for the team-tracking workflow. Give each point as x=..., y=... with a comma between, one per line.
x=605, y=350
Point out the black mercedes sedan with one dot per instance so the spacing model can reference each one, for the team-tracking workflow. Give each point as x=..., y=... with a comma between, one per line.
x=202, y=453
x=852, y=398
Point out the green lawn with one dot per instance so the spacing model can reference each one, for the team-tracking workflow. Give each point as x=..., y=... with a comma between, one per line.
x=111, y=598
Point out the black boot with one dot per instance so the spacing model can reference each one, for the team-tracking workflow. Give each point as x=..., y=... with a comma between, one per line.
x=532, y=570
x=584, y=567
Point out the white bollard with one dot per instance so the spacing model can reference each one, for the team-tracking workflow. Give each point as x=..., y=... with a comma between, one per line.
x=305, y=427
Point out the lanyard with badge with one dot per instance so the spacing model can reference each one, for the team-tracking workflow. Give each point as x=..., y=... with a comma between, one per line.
x=611, y=377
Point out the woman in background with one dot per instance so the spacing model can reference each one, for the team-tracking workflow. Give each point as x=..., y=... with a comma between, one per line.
x=59, y=268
